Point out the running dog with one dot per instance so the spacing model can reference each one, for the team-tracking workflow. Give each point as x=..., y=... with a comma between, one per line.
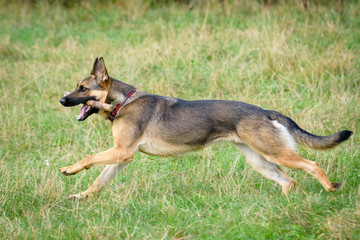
x=167, y=126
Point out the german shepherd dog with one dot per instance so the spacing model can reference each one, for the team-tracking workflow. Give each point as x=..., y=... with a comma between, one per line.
x=167, y=126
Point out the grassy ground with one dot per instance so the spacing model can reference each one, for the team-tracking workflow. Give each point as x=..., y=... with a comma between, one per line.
x=304, y=64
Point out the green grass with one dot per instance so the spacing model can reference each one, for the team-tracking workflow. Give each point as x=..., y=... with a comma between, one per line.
x=304, y=64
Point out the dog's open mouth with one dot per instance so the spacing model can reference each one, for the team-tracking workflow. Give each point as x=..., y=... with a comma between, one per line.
x=85, y=112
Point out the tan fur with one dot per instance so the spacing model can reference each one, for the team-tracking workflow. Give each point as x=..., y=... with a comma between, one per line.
x=166, y=126
x=292, y=160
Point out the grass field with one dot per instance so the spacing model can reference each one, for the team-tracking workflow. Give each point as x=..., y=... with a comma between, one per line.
x=304, y=64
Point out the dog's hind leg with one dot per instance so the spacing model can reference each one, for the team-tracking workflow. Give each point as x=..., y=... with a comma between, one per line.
x=293, y=160
x=274, y=142
x=104, y=178
x=268, y=169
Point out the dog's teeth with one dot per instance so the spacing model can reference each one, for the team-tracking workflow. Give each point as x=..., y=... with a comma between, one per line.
x=77, y=117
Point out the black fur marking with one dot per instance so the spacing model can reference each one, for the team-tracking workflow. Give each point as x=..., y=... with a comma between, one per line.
x=344, y=135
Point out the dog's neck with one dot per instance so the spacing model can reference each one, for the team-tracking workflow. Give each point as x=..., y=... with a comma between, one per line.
x=118, y=91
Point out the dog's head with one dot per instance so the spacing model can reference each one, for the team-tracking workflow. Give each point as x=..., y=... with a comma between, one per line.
x=94, y=87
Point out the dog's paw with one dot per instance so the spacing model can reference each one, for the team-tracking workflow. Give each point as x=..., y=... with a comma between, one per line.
x=65, y=171
x=333, y=187
x=78, y=197
x=336, y=185
x=71, y=170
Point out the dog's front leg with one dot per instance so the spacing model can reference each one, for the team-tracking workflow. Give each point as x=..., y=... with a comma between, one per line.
x=111, y=156
x=105, y=177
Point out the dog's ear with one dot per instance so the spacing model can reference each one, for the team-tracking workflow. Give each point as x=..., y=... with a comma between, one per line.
x=93, y=70
x=99, y=70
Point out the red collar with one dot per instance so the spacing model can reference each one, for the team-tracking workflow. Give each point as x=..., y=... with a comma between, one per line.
x=114, y=112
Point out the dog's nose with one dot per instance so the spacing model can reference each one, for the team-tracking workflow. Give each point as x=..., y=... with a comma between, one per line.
x=63, y=101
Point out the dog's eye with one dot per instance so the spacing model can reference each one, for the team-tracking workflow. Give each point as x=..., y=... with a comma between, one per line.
x=82, y=89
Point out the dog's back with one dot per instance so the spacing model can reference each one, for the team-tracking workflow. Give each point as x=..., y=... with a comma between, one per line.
x=200, y=122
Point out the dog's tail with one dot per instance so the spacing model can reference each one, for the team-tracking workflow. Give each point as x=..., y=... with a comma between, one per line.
x=307, y=139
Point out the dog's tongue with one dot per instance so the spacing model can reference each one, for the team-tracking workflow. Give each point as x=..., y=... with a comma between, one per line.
x=82, y=111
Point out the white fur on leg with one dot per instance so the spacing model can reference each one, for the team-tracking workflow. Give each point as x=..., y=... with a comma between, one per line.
x=267, y=169
x=110, y=172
